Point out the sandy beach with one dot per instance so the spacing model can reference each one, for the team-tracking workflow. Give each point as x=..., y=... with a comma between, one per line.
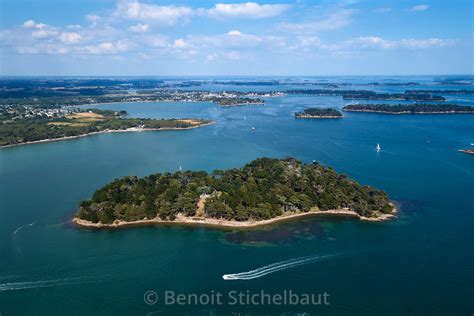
x=222, y=223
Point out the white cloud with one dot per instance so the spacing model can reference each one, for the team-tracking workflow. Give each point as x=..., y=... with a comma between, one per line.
x=375, y=42
x=69, y=37
x=92, y=18
x=157, y=41
x=29, y=24
x=420, y=7
x=180, y=44
x=105, y=48
x=234, y=33
x=333, y=21
x=425, y=43
x=139, y=28
x=308, y=41
x=313, y=44
x=251, y=10
x=43, y=34
x=224, y=55
x=230, y=39
x=167, y=15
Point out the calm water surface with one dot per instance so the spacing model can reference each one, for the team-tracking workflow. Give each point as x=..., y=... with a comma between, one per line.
x=420, y=264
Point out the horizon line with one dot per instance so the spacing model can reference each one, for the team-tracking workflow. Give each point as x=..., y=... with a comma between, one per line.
x=164, y=76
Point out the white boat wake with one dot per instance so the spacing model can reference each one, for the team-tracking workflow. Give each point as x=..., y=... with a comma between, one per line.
x=21, y=227
x=278, y=266
x=12, y=286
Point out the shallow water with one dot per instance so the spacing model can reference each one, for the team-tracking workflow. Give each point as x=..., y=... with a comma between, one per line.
x=421, y=263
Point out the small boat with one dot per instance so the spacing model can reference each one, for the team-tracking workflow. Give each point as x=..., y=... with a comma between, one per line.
x=180, y=168
x=253, y=129
x=378, y=148
x=472, y=144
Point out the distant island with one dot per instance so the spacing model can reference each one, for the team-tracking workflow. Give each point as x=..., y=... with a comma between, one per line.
x=368, y=95
x=319, y=113
x=467, y=151
x=24, y=125
x=417, y=108
x=462, y=91
x=262, y=192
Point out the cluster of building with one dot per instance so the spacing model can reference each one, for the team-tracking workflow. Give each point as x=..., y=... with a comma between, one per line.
x=27, y=111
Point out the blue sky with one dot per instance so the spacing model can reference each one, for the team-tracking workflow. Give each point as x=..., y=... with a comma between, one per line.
x=151, y=37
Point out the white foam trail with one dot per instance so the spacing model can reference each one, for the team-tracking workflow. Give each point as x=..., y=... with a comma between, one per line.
x=12, y=286
x=21, y=227
x=274, y=267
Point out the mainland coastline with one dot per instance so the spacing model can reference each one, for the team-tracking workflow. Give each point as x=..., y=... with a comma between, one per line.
x=128, y=130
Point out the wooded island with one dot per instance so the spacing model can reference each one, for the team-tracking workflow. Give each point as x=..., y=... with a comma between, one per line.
x=262, y=190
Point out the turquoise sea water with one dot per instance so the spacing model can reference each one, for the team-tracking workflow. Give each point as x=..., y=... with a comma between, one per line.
x=420, y=264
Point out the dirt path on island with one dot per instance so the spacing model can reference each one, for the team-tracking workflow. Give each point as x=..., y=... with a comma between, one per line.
x=200, y=205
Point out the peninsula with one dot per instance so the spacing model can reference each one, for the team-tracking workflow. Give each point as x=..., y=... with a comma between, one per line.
x=26, y=126
x=417, y=108
x=262, y=192
x=319, y=113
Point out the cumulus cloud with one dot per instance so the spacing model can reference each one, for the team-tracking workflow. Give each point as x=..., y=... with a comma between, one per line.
x=106, y=48
x=139, y=28
x=233, y=39
x=106, y=35
x=167, y=15
x=180, y=44
x=251, y=10
x=157, y=41
x=332, y=21
x=69, y=37
x=43, y=34
x=30, y=24
x=420, y=7
x=234, y=33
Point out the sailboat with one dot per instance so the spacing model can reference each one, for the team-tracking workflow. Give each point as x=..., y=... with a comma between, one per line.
x=378, y=148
